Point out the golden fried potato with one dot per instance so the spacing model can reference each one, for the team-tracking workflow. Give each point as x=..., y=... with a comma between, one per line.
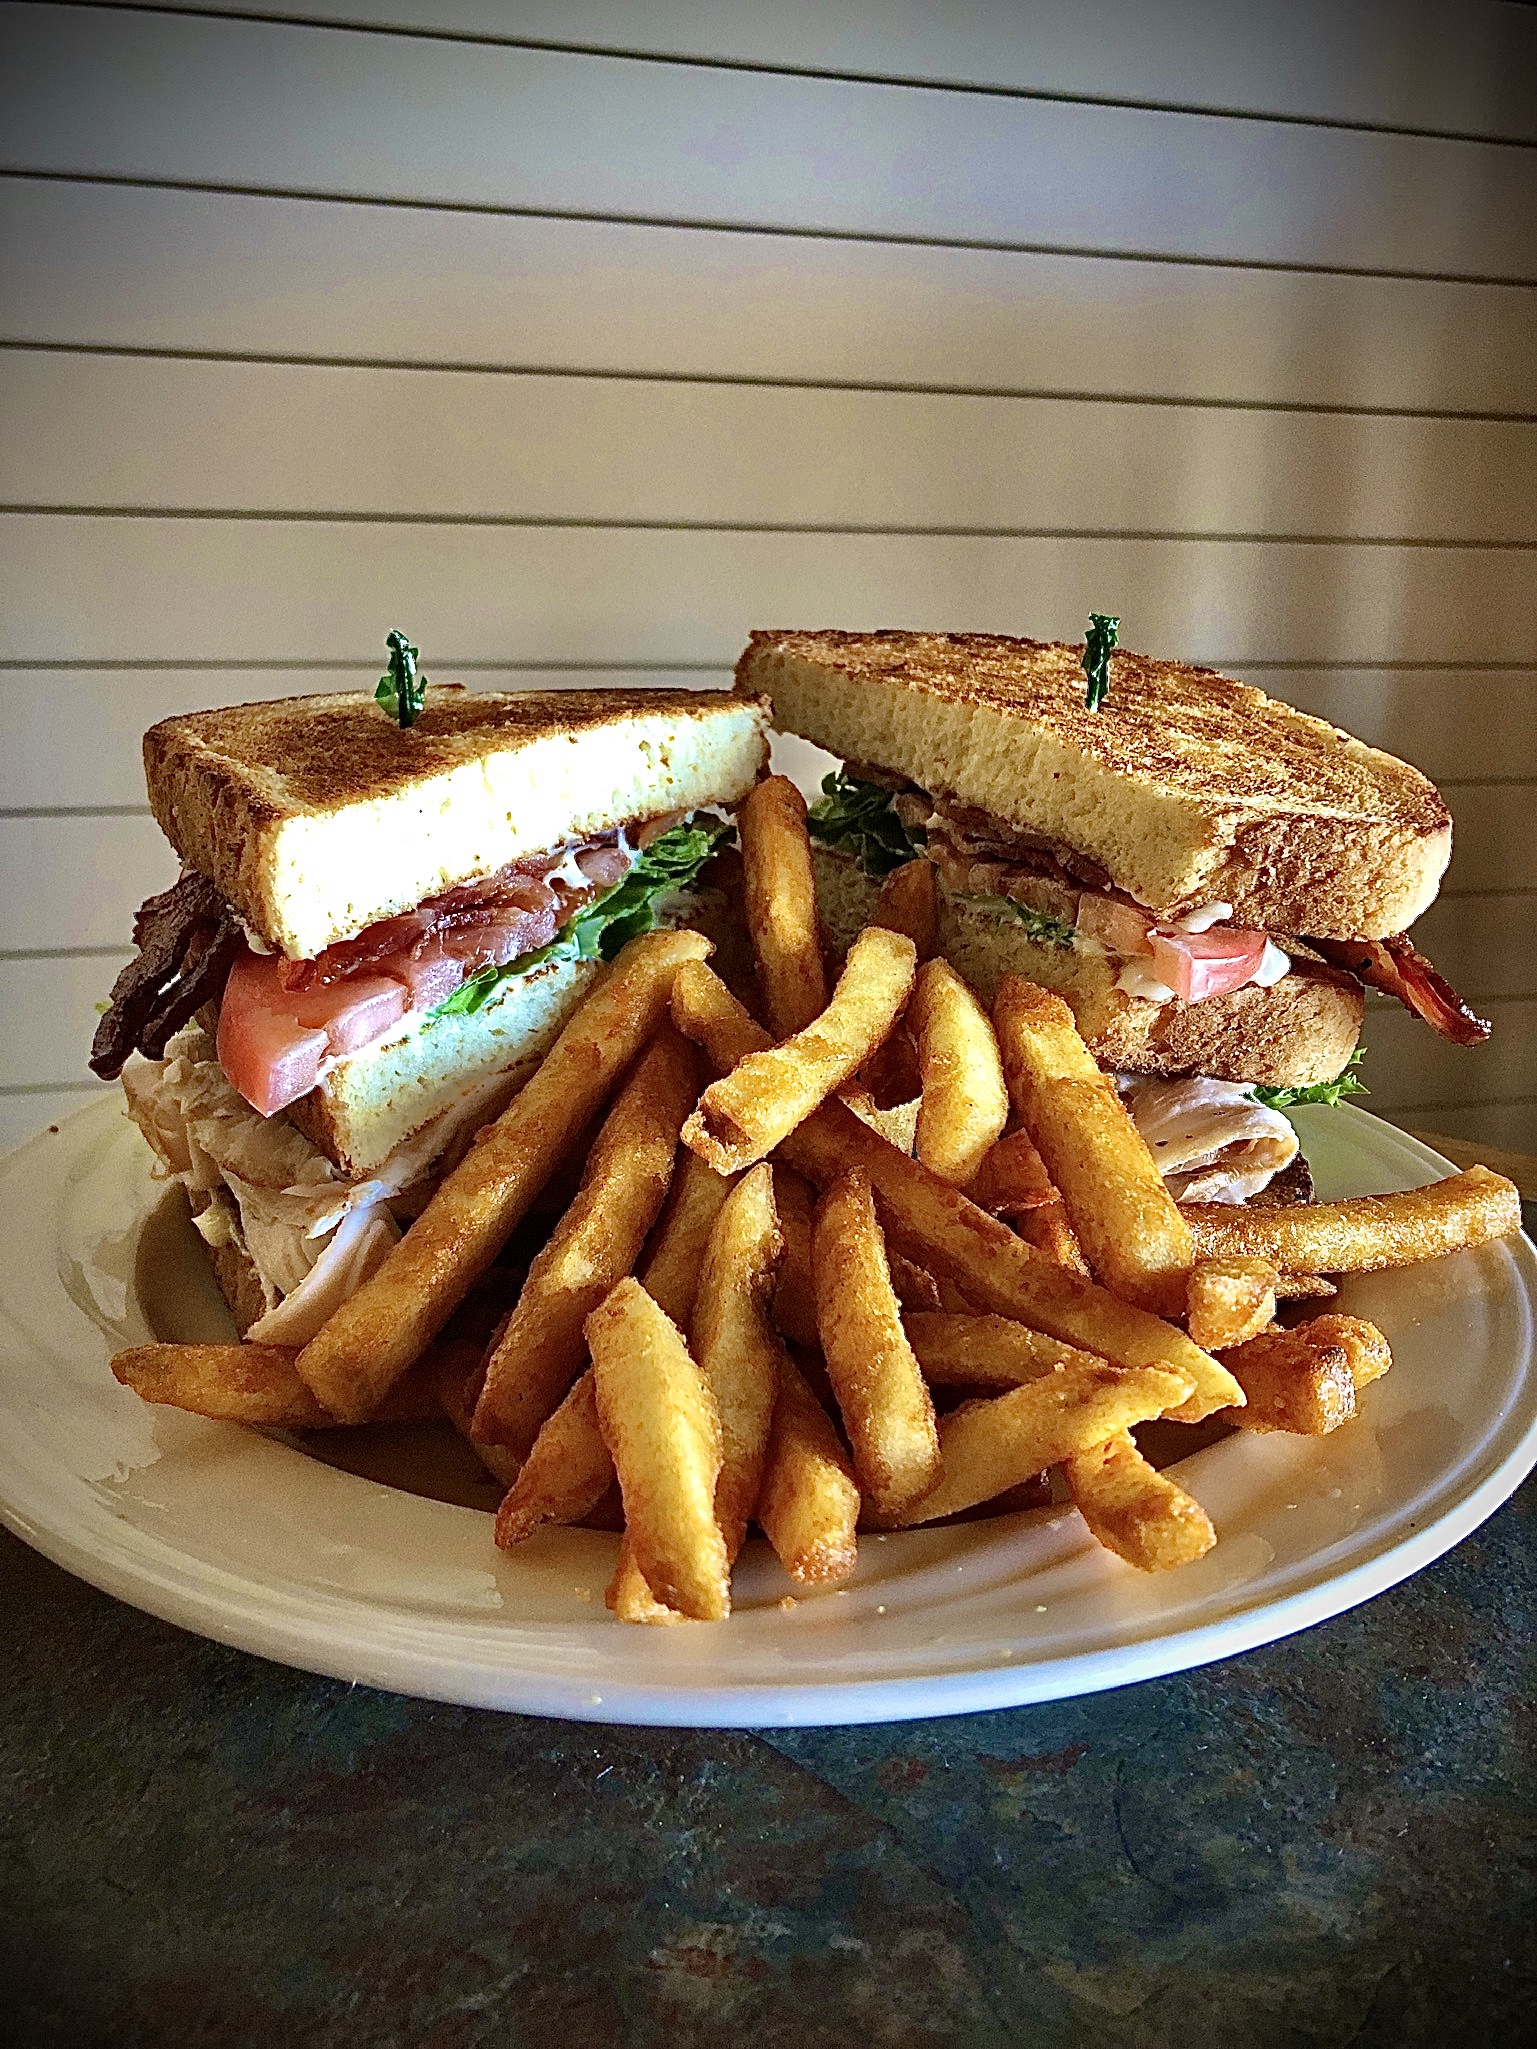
x=669, y=1268
x=1229, y=1300
x=1296, y=1380
x=1135, y=1511
x=736, y=1346
x=742, y=1117
x=629, y=1596
x=983, y=1351
x=565, y=1476
x=809, y=1503
x=909, y=902
x=1369, y=1231
x=457, y=1372
x=780, y=896
x=659, y=1421
x=596, y=1242
x=257, y=1384
x=991, y=1445
x=936, y=1226
x=1118, y=1204
x=405, y=1302
x=963, y=1105
x=886, y=1407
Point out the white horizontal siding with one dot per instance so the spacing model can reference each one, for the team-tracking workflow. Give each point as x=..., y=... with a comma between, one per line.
x=80, y=431
x=352, y=113
x=157, y=269
x=88, y=589
x=1400, y=63
x=657, y=305
x=1456, y=724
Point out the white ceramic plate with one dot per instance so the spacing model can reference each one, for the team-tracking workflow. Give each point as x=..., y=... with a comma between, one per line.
x=248, y=1539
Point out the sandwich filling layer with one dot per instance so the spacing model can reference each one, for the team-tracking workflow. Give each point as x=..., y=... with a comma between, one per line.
x=285, y=1024
x=1064, y=899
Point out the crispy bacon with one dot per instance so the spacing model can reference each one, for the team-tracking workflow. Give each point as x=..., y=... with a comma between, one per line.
x=187, y=942
x=1399, y=969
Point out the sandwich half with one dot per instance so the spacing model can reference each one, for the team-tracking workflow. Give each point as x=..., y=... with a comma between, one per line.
x=378, y=932
x=1208, y=877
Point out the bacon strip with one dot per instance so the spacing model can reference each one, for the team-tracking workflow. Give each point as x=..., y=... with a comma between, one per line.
x=187, y=944
x=1399, y=969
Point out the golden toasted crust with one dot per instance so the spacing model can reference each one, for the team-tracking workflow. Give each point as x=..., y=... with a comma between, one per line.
x=1187, y=786
x=315, y=816
x=1301, y=1031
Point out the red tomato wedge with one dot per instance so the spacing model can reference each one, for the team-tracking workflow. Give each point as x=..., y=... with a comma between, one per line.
x=272, y=1040
x=1196, y=965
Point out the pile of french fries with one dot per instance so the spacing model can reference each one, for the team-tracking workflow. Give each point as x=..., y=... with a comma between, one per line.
x=757, y=1309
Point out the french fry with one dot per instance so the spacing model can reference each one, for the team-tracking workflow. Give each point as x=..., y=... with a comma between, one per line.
x=915, y=1289
x=596, y=1242
x=1011, y=1179
x=1366, y=1349
x=741, y=1118
x=964, y=1105
x=669, y=1269
x=629, y=1596
x=1294, y=1380
x=909, y=902
x=1137, y=1512
x=989, y=1446
x=256, y=1384
x=780, y=897
x=794, y=1303
x=735, y=1345
x=660, y=1424
x=1229, y=1301
x=1118, y=1204
x=1303, y=1288
x=375, y=1335
x=984, y=1351
x=1369, y=1231
x=457, y=1372
x=935, y=1225
x=565, y=1476
x=809, y=1503
x=1049, y=1231
x=887, y=1410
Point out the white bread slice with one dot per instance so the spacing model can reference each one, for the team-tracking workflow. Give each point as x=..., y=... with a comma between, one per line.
x=368, y=1104
x=1301, y=1031
x=1186, y=787
x=316, y=816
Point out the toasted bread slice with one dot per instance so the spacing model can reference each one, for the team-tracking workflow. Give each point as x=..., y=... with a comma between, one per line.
x=376, y=1099
x=1185, y=786
x=1298, y=1032
x=316, y=816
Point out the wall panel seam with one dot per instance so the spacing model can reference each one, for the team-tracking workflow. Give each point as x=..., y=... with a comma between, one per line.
x=740, y=380
x=342, y=516
x=907, y=82
x=784, y=230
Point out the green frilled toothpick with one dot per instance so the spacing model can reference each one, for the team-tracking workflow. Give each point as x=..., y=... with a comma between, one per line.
x=1102, y=636
x=402, y=689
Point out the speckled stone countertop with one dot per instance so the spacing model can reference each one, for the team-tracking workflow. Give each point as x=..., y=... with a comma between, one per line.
x=1328, y=1841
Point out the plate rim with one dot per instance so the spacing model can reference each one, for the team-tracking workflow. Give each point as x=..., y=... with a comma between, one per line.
x=309, y=1642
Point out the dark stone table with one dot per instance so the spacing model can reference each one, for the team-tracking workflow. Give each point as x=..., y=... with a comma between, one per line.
x=1328, y=1841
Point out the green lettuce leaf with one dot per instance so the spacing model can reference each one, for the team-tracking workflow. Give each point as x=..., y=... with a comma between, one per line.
x=1045, y=931
x=611, y=920
x=1348, y=1083
x=861, y=818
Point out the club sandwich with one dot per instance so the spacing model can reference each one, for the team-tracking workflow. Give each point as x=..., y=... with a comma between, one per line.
x=1209, y=877
x=377, y=933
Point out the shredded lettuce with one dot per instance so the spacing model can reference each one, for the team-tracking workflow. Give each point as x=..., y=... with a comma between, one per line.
x=861, y=818
x=1347, y=1083
x=621, y=914
x=1044, y=930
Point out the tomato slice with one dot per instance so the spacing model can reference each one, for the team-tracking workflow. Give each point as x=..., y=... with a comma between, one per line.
x=1196, y=965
